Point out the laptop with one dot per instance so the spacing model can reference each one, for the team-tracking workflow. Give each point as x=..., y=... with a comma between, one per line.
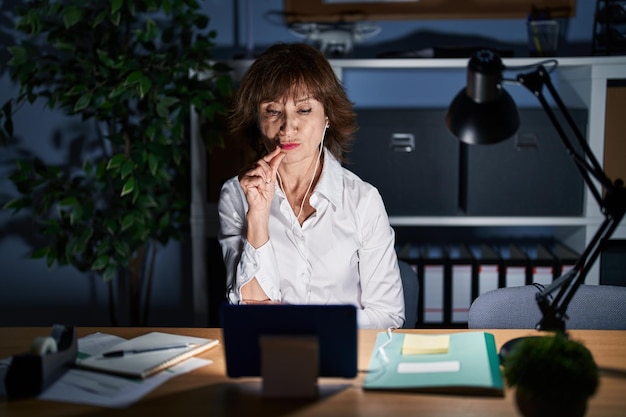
x=334, y=326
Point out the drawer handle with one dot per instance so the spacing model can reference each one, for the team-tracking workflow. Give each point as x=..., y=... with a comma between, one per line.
x=403, y=142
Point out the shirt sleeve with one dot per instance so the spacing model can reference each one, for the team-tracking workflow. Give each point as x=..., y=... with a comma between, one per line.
x=382, y=297
x=242, y=261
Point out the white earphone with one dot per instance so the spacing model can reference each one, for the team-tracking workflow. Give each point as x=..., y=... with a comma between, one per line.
x=327, y=124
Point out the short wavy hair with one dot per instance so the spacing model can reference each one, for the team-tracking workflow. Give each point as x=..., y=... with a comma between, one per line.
x=294, y=70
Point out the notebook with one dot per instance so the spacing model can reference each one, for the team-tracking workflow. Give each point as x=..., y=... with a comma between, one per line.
x=145, y=355
x=469, y=365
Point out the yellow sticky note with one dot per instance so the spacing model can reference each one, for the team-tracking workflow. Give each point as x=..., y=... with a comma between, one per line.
x=422, y=344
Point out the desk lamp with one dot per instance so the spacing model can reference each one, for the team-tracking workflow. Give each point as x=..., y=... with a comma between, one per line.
x=484, y=113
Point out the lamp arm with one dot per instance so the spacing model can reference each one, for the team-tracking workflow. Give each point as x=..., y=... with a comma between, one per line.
x=587, y=164
x=594, y=166
x=554, y=310
x=612, y=205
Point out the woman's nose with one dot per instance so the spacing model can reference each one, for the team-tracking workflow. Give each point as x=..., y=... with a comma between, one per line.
x=288, y=125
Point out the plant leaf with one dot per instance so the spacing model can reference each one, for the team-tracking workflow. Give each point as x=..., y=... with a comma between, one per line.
x=133, y=77
x=100, y=263
x=40, y=253
x=153, y=163
x=116, y=161
x=128, y=221
x=17, y=204
x=72, y=15
x=82, y=102
x=116, y=5
x=127, y=168
x=109, y=273
x=129, y=186
x=145, y=83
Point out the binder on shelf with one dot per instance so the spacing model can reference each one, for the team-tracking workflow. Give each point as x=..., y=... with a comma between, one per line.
x=542, y=264
x=488, y=267
x=565, y=256
x=463, y=277
x=515, y=266
x=411, y=254
x=437, y=300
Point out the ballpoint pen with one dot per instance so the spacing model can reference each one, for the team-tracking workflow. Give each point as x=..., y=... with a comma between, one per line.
x=120, y=353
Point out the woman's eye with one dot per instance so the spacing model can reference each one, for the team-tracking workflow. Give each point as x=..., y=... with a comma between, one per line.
x=305, y=111
x=272, y=112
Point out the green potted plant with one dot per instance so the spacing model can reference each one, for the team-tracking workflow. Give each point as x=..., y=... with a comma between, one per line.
x=553, y=376
x=133, y=70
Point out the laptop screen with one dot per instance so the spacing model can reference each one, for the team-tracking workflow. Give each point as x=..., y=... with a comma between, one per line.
x=334, y=326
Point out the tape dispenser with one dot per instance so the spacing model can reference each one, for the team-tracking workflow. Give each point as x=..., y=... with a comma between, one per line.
x=49, y=358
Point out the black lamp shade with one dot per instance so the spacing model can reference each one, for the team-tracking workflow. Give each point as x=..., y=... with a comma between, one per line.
x=483, y=112
x=482, y=123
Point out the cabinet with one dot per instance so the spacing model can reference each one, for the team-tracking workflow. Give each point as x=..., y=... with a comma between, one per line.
x=609, y=28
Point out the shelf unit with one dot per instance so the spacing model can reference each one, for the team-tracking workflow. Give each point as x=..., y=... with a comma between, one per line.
x=581, y=82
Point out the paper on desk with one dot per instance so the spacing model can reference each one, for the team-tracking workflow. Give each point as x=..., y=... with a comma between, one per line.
x=94, y=388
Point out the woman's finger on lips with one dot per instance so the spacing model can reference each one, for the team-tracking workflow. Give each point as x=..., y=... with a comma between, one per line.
x=267, y=158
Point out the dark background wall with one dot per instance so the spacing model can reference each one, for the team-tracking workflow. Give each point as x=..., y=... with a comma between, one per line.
x=32, y=294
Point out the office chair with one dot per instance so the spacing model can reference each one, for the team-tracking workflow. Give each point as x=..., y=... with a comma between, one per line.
x=600, y=307
x=410, y=287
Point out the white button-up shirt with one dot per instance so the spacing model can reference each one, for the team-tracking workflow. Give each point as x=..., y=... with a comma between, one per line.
x=343, y=253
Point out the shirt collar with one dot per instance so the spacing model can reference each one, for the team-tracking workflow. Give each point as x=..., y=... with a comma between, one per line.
x=330, y=184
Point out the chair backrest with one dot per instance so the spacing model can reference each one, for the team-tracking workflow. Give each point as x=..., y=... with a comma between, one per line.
x=410, y=287
x=600, y=307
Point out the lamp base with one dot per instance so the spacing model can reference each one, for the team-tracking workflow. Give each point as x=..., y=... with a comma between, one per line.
x=507, y=347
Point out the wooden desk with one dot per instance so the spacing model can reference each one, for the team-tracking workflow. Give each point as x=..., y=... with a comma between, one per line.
x=208, y=392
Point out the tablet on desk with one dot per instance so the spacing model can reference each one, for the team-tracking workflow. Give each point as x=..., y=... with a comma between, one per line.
x=333, y=326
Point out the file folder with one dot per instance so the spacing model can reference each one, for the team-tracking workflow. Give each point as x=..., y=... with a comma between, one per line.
x=470, y=366
x=565, y=256
x=437, y=287
x=435, y=297
x=543, y=264
x=488, y=267
x=463, y=274
x=411, y=254
x=515, y=265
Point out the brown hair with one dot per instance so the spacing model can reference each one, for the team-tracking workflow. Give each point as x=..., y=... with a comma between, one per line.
x=293, y=69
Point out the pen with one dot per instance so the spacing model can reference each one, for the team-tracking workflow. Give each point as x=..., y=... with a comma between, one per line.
x=120, y=353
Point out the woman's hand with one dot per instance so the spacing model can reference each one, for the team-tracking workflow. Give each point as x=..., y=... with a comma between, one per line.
x=258, y=186
x=258, y=182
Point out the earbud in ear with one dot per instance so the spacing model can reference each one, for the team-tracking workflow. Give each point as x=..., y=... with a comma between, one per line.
x=327, y=124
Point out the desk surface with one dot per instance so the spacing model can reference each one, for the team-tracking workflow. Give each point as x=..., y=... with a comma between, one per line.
x=208, y=392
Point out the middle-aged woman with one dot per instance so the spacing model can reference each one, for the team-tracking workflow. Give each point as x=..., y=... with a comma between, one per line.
x=297, y=227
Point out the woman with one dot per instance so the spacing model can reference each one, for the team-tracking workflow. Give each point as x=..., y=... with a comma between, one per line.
x=297, y=227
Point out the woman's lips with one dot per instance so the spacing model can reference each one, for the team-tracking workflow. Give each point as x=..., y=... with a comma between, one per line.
x=289, y=145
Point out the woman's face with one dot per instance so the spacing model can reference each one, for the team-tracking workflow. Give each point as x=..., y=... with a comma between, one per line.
x=297, y=126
